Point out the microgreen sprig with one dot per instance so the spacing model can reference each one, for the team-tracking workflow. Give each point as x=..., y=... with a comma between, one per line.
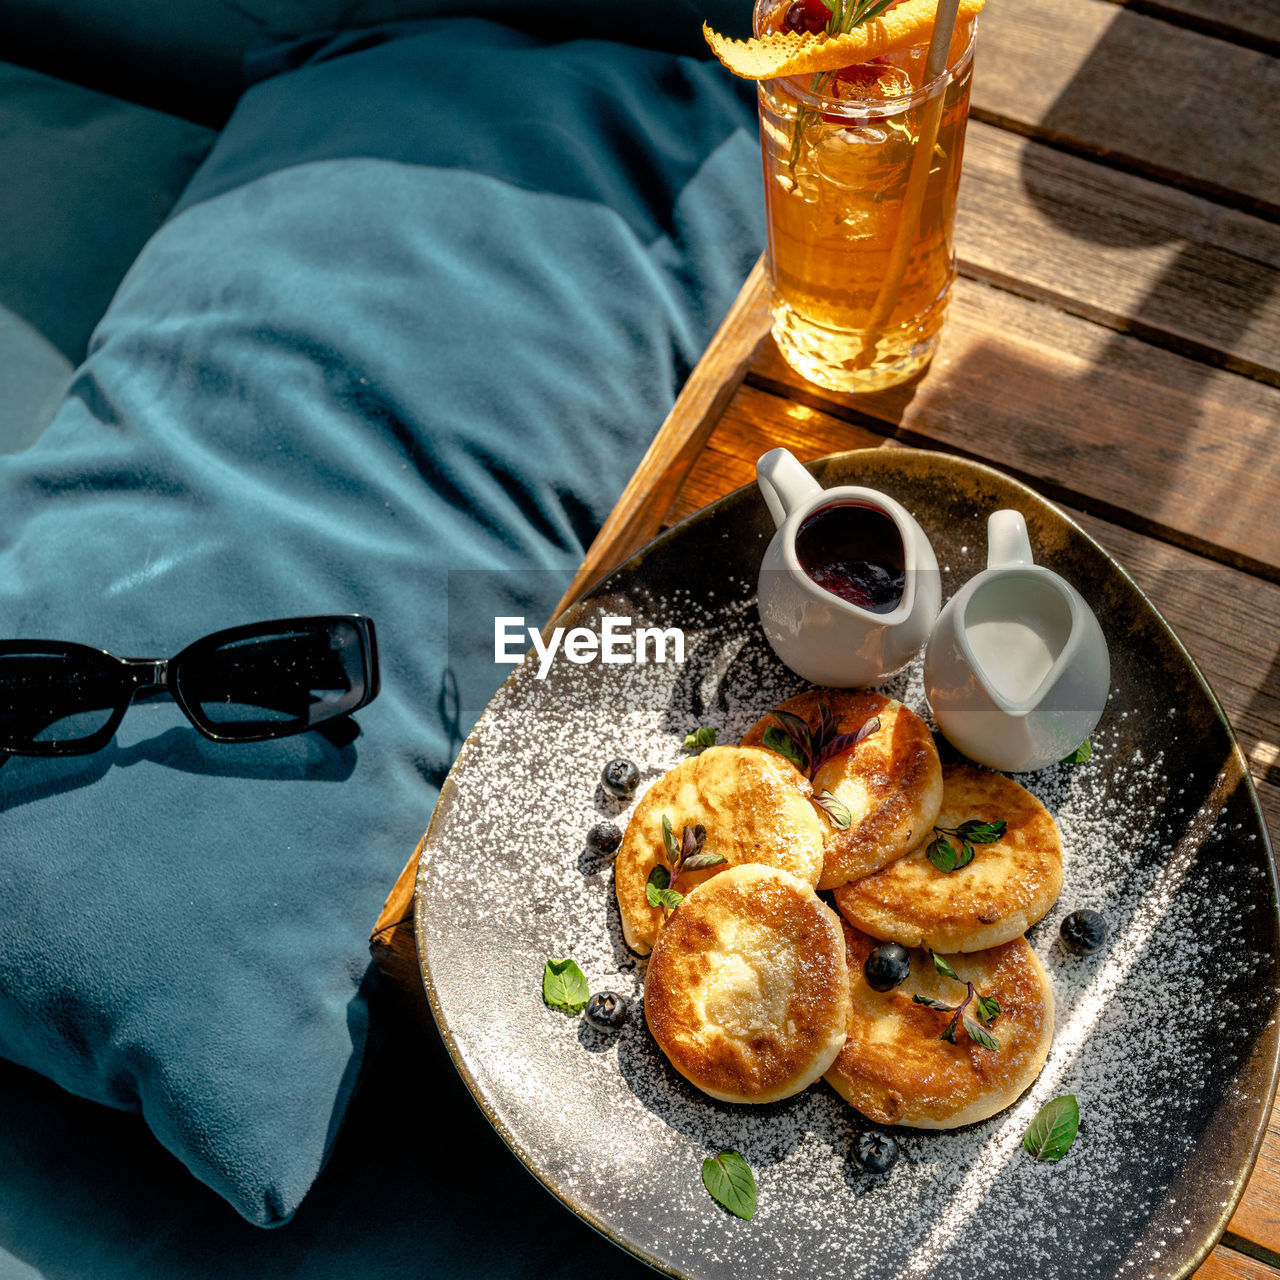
x=685, y=854
x=986, y=1008
x=944, y=855
x=809, y=749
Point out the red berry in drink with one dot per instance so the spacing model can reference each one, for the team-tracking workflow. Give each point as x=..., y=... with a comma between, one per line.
x=806, y=15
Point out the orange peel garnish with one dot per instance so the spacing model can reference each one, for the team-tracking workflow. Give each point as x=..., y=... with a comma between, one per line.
x=790, y=53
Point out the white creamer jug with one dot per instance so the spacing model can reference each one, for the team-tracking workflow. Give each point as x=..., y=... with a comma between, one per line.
x=849, y=585
x=1017, y=670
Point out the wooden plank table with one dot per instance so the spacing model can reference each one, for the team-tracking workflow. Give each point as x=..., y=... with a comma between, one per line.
x=1113, y=340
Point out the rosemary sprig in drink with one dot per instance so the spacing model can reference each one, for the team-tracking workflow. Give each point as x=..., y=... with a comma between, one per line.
x=841, y=19
x=853, y=13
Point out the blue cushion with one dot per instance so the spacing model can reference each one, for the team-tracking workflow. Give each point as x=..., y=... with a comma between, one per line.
x=410, y=330
x=187, y=59
x=87, y=179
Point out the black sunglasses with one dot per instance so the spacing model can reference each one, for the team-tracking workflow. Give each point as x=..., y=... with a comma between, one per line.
x=245, y=684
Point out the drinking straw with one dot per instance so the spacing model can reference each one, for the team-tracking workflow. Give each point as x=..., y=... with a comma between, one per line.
x=918, y=176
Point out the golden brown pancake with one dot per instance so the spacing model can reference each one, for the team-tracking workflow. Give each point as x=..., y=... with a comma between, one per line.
x=1007, y=887
x=747, y=991
x=755, y=807
x=894, y=1068
x=891, y=781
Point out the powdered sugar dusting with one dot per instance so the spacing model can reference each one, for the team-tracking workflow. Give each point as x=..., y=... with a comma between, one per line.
x=1153, y=1034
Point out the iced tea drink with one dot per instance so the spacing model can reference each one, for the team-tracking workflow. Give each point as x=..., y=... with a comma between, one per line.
x=854, y=307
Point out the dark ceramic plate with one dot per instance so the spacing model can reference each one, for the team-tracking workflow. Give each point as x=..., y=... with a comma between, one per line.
x=1167, y=1036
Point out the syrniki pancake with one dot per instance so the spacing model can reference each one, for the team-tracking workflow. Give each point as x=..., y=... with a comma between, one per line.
x=755, y=808
x=1007, y=887
x=895, y=1069
x=747, y=991
x=891, y=781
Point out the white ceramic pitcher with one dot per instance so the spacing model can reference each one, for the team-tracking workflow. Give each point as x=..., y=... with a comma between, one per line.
x=822, y=637
x=1017, y=670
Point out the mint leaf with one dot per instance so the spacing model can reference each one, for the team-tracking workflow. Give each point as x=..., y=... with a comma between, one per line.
x=944, y=968
x=981, y=832
x=873, y=724
x=778, y=741
x=979, y=1034
x=701, y=861
x=564, y=986
x=658, y=891
x=836, y=810
x=988, y=1008
x=694, y=838
x=1050, y=1135
x=934, y=1004
x=1082, y=753
x=703, y=736
x=669, y=840
x=796, y=727
x=729, y=1179
x=941, y=853
x=828, y=743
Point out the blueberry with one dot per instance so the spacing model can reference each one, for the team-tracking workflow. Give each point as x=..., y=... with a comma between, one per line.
x=1084, y=931
x=876, y=1152
x=620, y=778
x=606, y=1011
x=887, y=966
x=604, y=837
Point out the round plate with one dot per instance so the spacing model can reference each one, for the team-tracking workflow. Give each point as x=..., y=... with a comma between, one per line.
x=1167, y=1036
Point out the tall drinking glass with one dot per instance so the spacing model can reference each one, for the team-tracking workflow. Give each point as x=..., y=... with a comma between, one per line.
x=860, y=220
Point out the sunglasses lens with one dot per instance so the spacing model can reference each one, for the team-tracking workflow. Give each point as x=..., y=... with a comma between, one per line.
x=53, y=703
x=282, y=679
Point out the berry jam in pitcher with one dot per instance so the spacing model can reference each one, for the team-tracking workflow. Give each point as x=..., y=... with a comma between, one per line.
x=855, y=552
